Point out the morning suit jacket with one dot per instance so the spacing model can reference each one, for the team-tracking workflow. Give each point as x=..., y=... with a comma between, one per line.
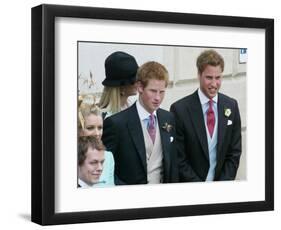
x=123, y=136
x=192, y=143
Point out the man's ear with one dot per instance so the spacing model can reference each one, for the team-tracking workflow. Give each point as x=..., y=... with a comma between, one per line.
x=140, y=86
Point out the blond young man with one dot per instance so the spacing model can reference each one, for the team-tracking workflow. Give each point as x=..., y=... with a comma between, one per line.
x=141, y=137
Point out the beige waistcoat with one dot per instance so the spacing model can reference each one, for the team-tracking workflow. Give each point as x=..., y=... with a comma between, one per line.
x=154, y=157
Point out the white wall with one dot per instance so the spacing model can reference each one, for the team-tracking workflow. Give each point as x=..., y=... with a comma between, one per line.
x=91, y=57
x=15, y=114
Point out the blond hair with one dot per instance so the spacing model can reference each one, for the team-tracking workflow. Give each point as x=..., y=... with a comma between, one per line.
x=111, y=99
x=152, y=70
x=86, y=110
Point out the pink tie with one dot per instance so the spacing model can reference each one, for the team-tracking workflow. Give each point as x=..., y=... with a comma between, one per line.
x=151, y=127
x=210, y=118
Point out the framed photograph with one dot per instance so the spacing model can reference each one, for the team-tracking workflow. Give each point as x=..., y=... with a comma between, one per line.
x=70, y=45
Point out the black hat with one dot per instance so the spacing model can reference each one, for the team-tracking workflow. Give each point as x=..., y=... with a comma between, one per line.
x=120, y=69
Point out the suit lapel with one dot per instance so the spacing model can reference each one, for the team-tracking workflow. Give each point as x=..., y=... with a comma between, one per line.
x=165, y=139
x=197, y=118
x=135, y=130
x=222, y=122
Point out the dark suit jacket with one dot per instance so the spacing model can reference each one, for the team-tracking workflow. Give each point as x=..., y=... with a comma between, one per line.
x=192, y=143
x=123, y=136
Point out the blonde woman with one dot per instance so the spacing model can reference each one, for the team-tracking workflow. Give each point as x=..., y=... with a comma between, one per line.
x=119, y=84
x=91, y=124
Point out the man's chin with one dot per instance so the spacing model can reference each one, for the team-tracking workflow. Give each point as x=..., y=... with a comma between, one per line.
x=156, y=106
x=211, y=95
x=96, y=179
x=94, y=182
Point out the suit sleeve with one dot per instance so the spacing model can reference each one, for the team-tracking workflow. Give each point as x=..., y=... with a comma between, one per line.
x=110, y=135
x=174, y=157
x=233, y=154
x=111, y=141
x=186, y=173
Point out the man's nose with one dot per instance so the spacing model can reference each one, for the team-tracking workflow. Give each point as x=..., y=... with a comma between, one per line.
x=100, y=167
x=157, y=96
x=214, y=82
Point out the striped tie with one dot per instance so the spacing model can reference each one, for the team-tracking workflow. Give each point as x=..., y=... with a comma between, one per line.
x=151, y=127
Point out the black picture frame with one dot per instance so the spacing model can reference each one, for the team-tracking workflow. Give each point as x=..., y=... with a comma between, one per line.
x=43, y=113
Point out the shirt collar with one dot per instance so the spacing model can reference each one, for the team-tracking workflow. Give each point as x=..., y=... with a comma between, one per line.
x=143, y=114
x=203, y=99
x=85, y=185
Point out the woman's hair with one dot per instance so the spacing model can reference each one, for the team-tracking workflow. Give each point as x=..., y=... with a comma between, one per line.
x=86, y=110
x=152, y=70
x=209, y=57
x=111, y=99
x=86, y=142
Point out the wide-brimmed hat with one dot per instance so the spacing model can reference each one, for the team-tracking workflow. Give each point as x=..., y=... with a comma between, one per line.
x=120, y=69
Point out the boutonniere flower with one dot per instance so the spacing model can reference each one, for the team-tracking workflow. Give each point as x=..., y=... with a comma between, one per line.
x=227, y=112
x=167, y=127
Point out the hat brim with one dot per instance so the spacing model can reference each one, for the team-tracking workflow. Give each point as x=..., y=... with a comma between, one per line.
x=119, y=82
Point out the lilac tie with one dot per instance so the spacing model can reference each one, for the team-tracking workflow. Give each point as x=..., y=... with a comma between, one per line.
x=151, y=127
x=210, y=118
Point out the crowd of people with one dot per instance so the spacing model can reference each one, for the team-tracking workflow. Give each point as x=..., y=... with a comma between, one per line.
x=125, y=143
